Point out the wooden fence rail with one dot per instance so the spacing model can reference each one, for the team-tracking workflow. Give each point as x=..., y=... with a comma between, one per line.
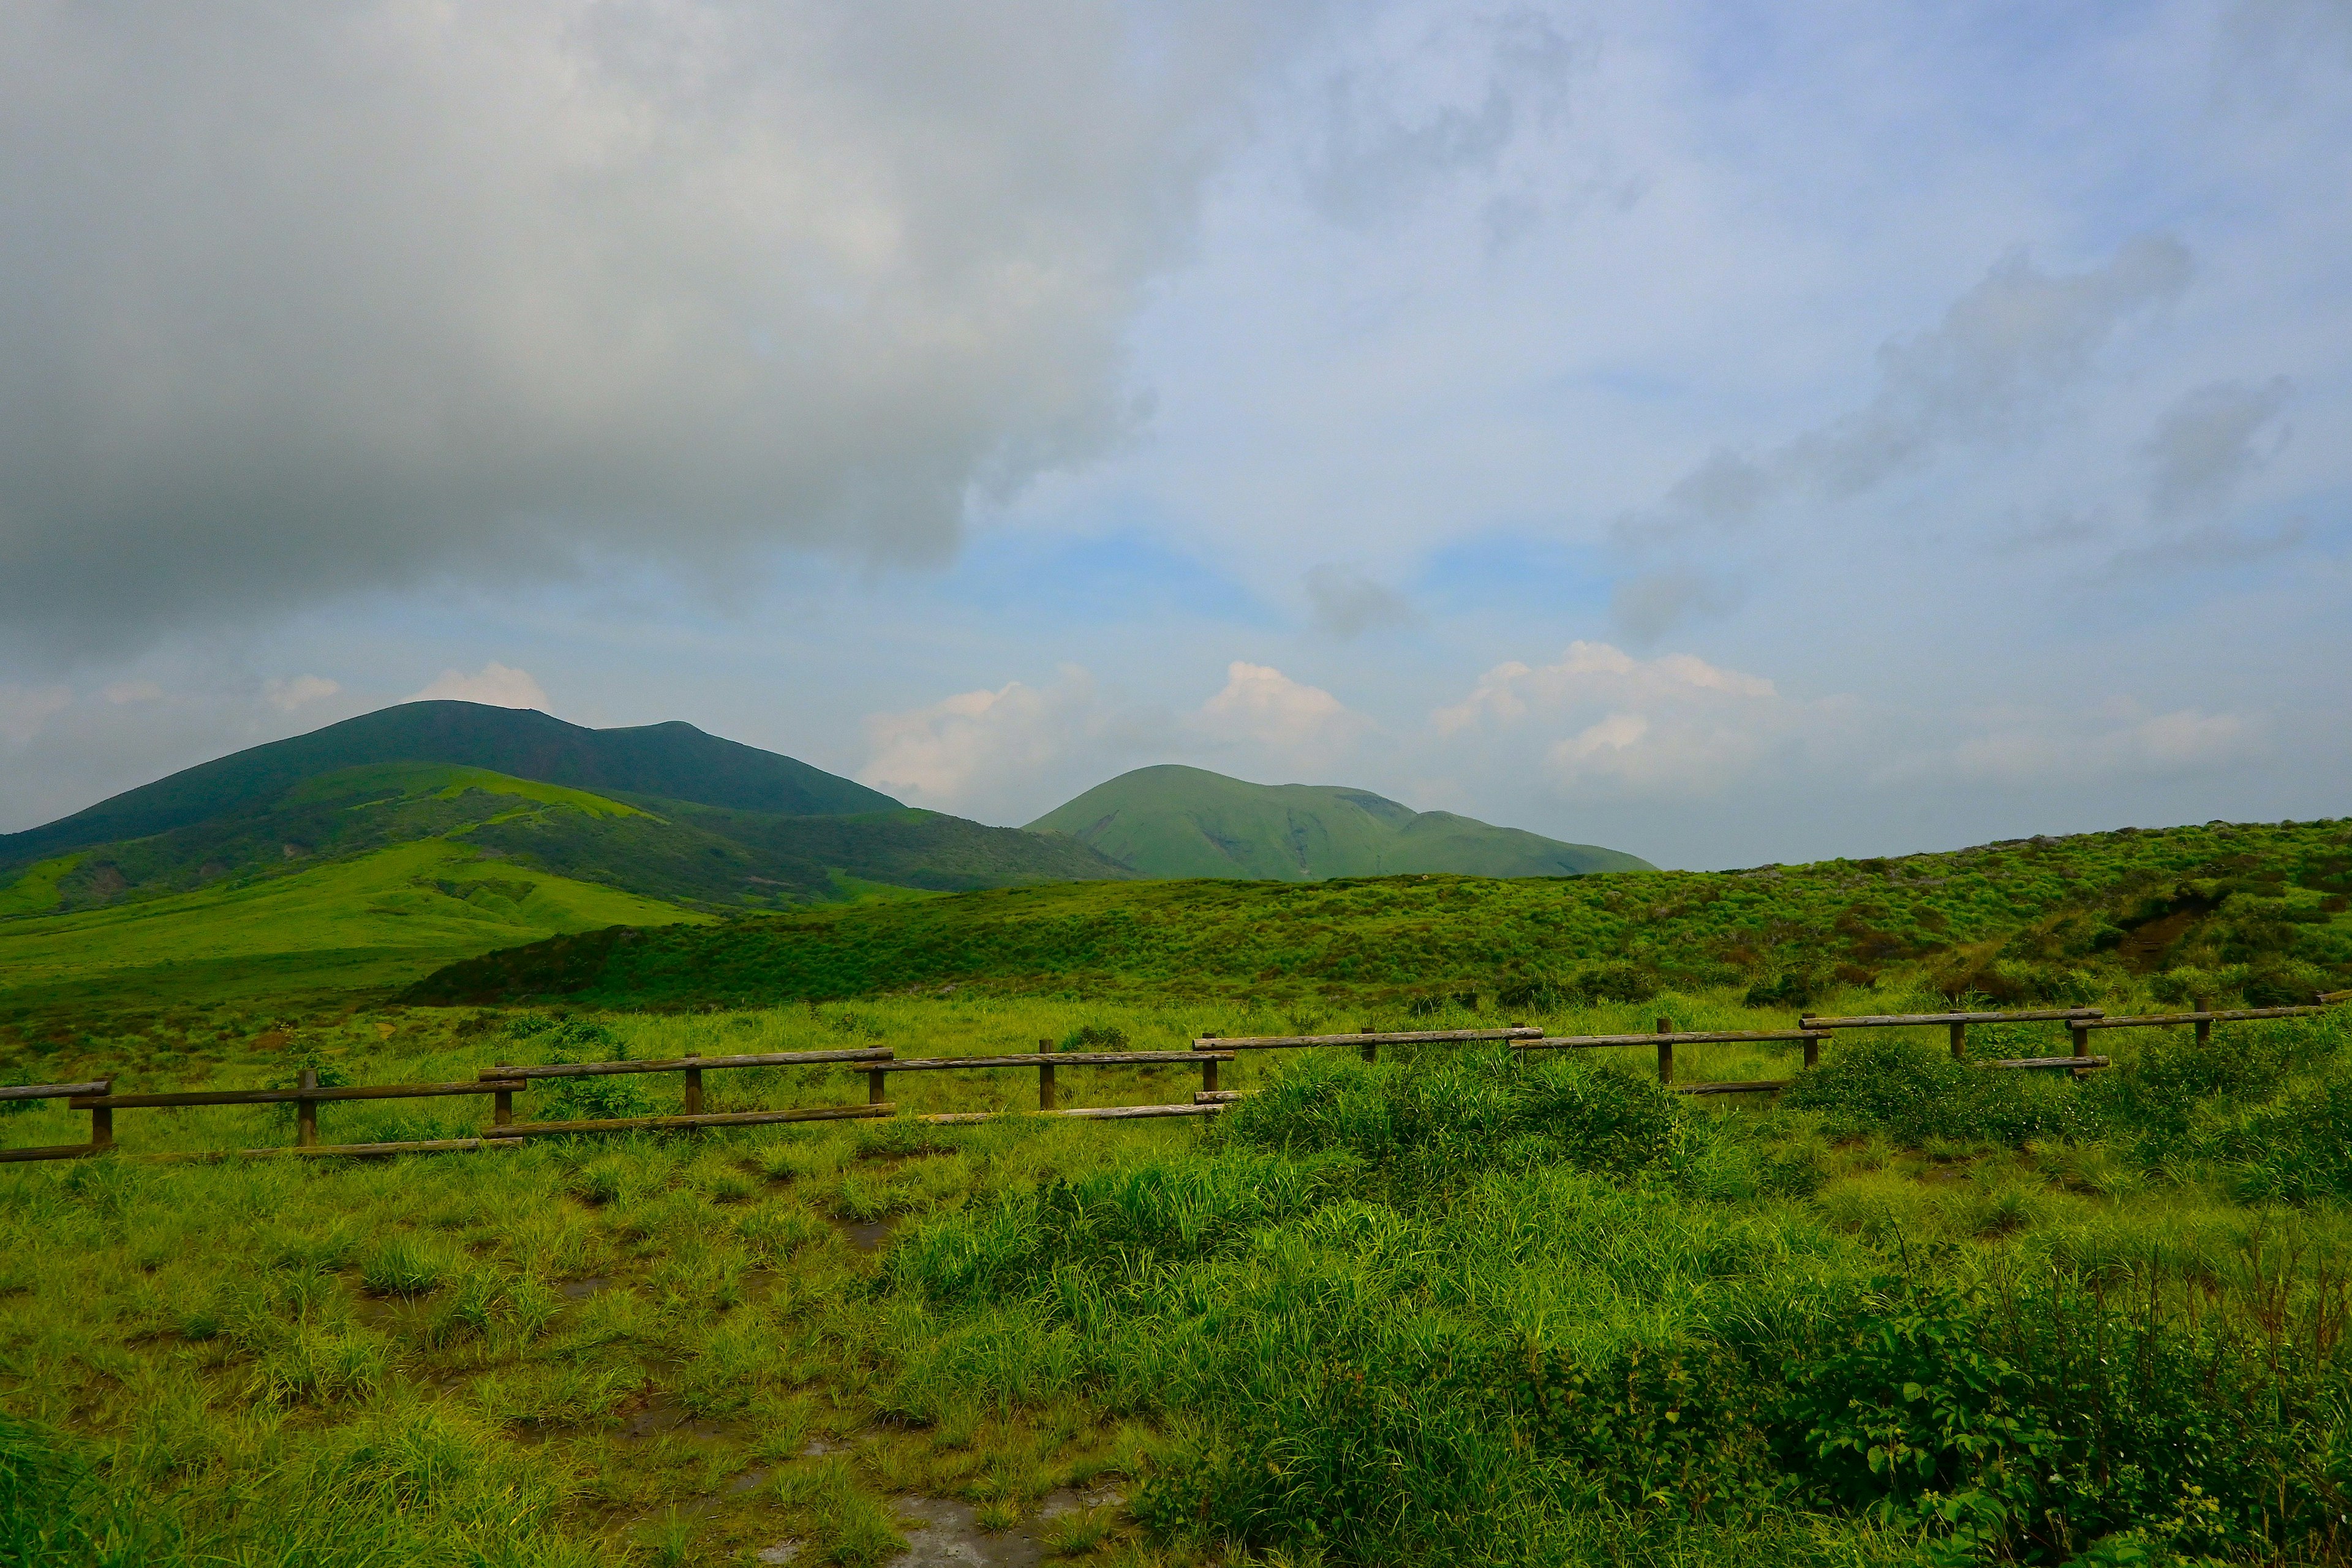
x=501, y=1083
x=1369, y=1041
x=101, y=1118
x=1957, y=1023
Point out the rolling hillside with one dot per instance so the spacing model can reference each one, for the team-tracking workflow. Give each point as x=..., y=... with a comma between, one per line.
x=668, y=762
x=1172, y=821
x=370, y=874
x=2257, y=913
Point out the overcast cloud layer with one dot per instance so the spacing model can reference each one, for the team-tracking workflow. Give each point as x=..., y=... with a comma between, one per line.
x=1730, y=433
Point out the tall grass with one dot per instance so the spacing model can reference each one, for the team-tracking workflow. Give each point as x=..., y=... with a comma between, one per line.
x=1453, y=1308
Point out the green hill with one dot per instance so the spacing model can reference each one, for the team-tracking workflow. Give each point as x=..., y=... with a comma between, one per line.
x=670, y=762
x=1171, y=821
x=372, y=874
x=2257, y=913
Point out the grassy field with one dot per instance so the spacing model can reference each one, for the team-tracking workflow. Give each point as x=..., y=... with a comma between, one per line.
x=1442, y=1309
x=1435, y=1309
x=377, y=920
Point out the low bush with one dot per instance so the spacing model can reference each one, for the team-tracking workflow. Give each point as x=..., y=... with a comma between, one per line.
x=1425, y=1127
x=1912, y=1093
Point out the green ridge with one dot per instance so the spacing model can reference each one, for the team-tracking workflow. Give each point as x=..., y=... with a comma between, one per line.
x=670, y=761
x=2257, y=911
x=1172, y=821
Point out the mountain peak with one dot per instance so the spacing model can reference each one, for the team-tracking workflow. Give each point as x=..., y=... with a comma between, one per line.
x=673, y=759
x=1172, y=820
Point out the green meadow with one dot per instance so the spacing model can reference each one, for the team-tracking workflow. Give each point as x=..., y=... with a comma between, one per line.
x=377, y=920
x=1447, y=1307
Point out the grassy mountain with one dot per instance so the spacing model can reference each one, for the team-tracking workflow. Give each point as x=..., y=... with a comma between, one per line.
x=372, y=874
x=1172, y=821
x=670, y=762
x=2257, y=913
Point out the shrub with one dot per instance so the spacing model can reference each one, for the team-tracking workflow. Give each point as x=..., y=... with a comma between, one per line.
x=1438, y=1121
x=1618, y=983
x=1913, y=1092
x=602, y=1097
x=1095, y=1038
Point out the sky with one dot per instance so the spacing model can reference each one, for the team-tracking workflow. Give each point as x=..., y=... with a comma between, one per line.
x=1728, y=432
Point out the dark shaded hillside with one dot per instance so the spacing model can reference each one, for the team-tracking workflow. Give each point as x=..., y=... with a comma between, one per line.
x=671, y=761
x=722, y=858
x=2035, y=920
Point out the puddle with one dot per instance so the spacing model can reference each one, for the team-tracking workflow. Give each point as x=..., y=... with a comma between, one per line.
x=818, y=1447
x=748, y=1480
x=664, y=1416
x=781, y=1552
x=578, y=1290
x=941, y=1533
x=869, y=1236
x=1077, y=1499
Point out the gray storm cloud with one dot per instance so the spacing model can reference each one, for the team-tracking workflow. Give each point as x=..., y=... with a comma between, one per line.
x=2002, y=349
x=302, y=299
x=2209, y=440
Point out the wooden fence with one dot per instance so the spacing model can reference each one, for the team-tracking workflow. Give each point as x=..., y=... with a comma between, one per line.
x=501, y=1083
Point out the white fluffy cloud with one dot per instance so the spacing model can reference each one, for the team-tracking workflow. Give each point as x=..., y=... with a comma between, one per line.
x=338, y=297
x=1264, y=718
x=1014, y=752
x=1604, y=723
x=302, y=690
x=988, y=752
x=494, y=684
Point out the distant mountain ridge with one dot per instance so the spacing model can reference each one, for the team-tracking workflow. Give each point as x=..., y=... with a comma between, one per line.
x=1174, y=821
x=670, y=761
x=657, y=812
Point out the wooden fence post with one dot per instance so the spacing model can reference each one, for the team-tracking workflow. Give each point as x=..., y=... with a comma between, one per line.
x=1045, y=1076
x=1665, y=1052
x=2082, y=1039
x=1960, y=1041
x=502, y=1108
x=2204, y=1026
x=694, y=1089
x=1813, y=1051
x=875, y=1090
x=1370, y=1048
x=306, y=1112
x=101, y=1122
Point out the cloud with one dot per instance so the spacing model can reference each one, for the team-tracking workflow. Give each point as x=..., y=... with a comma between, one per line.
x=122, y=692
x=1346, y=604
x=2212, y=546
x=1386, y=139
x=24, y=709
x=496, y=685
x=287, y=695
x=2043, y=749
x=1651, y=604
x=1010, y=753
x=2003, y=349
x=1269, y=717
x=2206, y=443
x=1602, y=723
x=358, y=295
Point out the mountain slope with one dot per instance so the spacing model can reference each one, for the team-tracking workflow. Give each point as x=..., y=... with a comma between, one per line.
x=2260, y=915
x=705, y=856
x=670, y=762
x=1172, y=821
